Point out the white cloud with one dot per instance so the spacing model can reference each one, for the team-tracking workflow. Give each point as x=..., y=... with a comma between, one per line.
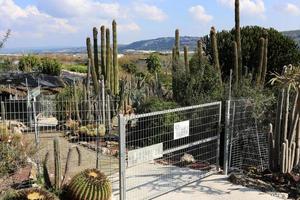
x=150, y=12
x=199, y=13
x=129, y=27
x=82, y=8
x=293, y=9
x=249, y=7
x=31, y=20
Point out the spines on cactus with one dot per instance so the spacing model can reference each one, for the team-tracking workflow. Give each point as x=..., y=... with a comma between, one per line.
x=265, y=60
x=186, y=60
x=32, y=194
x=235, y=64
x=57, y=164
x=238, y=37
x=108, y=60
x=215, y=52
x=103, y=60
x=115, y=87
x=261, y=60
x=91, y=184
x=92, y=66
x=96, y=54
x=177, y=43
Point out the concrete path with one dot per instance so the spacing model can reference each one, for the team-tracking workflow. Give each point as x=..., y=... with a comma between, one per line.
x=216, y=187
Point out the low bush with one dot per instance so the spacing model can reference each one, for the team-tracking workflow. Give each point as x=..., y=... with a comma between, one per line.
x=50, y=66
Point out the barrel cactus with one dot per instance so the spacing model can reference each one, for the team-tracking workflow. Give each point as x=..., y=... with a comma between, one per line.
x=89, y=184
x=31, y=194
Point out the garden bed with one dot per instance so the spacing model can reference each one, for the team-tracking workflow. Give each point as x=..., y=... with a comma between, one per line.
x=266, y=181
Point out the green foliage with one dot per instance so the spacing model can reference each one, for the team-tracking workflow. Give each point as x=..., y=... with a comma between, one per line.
x=281, y=49
x=153, y=63
x=50, y=66
x=75, y=68
x=130, y=68
x=29, y=63
x=202, y=85
x=89, y=184
x=5, y=65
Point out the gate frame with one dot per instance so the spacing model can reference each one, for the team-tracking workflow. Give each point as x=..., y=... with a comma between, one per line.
x=122, y=144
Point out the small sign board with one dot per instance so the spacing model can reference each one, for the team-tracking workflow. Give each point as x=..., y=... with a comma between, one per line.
x=145, y=154
x=181, y=129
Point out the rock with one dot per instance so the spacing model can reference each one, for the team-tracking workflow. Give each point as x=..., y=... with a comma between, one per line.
x=187, y=158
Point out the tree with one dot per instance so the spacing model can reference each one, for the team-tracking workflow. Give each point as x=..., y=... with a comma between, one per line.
x=5, y=38
x=50, y=66
x=29, y=63
x=281, y=49
x=153, y=63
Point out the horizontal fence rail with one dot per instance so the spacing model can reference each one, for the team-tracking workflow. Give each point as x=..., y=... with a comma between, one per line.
x=164, y=150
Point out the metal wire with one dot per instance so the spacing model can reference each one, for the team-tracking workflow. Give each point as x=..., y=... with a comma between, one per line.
x=159, y=159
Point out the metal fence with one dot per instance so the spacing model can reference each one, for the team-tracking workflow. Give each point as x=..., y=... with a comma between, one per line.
x=162, y=151
x=247, y=140
x=86, y=131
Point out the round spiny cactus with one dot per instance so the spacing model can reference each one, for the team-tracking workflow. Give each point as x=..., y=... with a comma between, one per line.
x=90, y=184
x=32, y=194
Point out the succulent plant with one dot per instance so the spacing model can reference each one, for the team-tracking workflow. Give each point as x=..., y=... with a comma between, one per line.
x=89, y=184
x=31, y=194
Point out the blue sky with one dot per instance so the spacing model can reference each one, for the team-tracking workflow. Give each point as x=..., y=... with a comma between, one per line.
x=58, y=23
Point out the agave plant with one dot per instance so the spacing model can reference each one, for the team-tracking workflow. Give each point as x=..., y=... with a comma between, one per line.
x=31, y=194
x=89, y=184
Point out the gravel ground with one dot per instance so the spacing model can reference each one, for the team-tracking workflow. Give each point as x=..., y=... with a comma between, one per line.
x=108, y=164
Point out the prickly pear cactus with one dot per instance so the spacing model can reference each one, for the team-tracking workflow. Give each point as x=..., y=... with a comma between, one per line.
x=90, y=184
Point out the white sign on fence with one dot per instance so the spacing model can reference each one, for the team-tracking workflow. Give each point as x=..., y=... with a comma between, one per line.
x=181, y=129
x=145, y=154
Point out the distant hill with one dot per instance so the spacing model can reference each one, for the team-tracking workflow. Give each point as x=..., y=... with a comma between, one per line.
x=295, y=35
x=160, y=44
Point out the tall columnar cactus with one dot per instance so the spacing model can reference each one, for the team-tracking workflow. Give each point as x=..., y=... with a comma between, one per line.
x=76, y=102
x=115, y=59
x=91, y=184
x=92, y=66
x=199, y=52
x=57, y=164
x=3, y=116
x=112, y=78
x=235, y=64
x=177, y=43
x=284, y=140
x=214, y=45
x=103, y=60
x=238, y=37
x=261, y=60
x=265, y=60
x=186, y=60
x=108, y=60
x=96, y=54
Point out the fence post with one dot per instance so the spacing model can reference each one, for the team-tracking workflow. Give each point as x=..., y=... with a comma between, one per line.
x=219, y=137
x=122, y=157
x=226, y=138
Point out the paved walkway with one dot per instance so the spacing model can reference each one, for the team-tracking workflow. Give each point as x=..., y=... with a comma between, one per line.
x=216, y=187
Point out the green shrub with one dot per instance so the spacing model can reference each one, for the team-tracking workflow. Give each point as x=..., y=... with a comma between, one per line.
x=75, y=68
x=29, y=63
x=130, y=68
x=202, y=85
x=50, y=66
x=153, y=63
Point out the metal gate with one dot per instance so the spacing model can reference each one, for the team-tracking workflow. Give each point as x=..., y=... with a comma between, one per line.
x=246, y=140
x=165, y=150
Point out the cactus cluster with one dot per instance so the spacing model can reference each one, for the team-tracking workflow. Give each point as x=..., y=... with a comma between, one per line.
x=263, y=62
x=31, y=194
x=284, y=138
x=91, y=184
x=59, y=177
